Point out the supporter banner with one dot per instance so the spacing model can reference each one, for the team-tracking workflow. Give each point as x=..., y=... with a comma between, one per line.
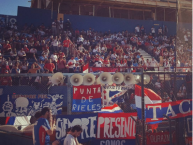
x=188, y=140
x=113, y=94
x=87, y=121
x=177, y=109
x=86, y=98
x=28, y=105
x=189, y=125
x=114, y=142
x=160, y=138
x=116, y=126
x=103, y=69
x=8, y=19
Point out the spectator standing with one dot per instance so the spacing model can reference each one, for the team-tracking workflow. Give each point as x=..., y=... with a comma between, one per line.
x=49, y=66
x=6, y=47
x=54, y=28
x=153, y=31
x=15, y=70
x=43, y=127
x=6, y=81
x=71, y=64
x=21, y=54
x=66, y=46
x=13, y=53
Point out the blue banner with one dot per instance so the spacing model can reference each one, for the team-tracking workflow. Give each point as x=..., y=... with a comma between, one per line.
x=28, y=105
x=87, y=121
x=86, y=98
x=189, y=126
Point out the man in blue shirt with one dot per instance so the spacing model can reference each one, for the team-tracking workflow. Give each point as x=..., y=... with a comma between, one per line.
x=43, y=129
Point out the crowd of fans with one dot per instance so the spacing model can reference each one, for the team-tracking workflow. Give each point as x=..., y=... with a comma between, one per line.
x=43, y=50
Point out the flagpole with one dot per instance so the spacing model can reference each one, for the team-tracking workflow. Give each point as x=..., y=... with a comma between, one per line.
x=142, y=108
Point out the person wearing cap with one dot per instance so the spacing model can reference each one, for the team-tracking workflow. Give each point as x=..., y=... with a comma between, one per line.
x=6, y=47
x=6, y=81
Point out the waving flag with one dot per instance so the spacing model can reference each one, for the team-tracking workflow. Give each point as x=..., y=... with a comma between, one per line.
x=112, y=94
x=150, y=97
x=111, y=109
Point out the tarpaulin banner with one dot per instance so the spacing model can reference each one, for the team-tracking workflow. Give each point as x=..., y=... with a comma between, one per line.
x=188, y=140
x=189, y=125
x=102, y=69
x=177, y=109
x=114, y=142
x=86, y=98
x=87, y=121
x=114, y=94
x=29, y=104
x=116, y=126
x=161, y=138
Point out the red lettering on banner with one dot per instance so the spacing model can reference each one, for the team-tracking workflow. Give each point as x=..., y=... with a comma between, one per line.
x=160, y=138
x=116, y=126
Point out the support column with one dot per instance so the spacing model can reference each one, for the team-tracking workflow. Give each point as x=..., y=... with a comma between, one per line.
x=143, y=15
x=128, y=14
x=58, y=8
x=79, y=10
x=93, y=10
x=142, y=109
x=110, y=12
x=52, y=10
x=155, y=14
x=113, y=13
x=69, y=96
x=164, y=14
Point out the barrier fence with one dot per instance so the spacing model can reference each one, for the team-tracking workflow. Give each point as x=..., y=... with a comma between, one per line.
x=170, y=86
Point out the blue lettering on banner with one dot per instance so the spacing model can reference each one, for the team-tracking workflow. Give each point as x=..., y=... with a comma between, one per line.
x=88, y=123
x=86, y=105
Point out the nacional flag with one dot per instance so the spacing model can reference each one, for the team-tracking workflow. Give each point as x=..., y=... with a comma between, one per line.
x=177, y=109
x=22, y=121
x=112, y=94
x=150, y=97
x=111, y=109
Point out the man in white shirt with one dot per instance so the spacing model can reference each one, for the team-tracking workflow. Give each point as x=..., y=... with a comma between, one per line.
x=71, y=137
x=153, y=64
x=137, y=30
x=153, y=31
x=114, y=55
x=54, y=27
x=55, y=44
x=54, y=57
x=33, y=50
x=71, y=64
x=21, y=53
x=98, y=63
